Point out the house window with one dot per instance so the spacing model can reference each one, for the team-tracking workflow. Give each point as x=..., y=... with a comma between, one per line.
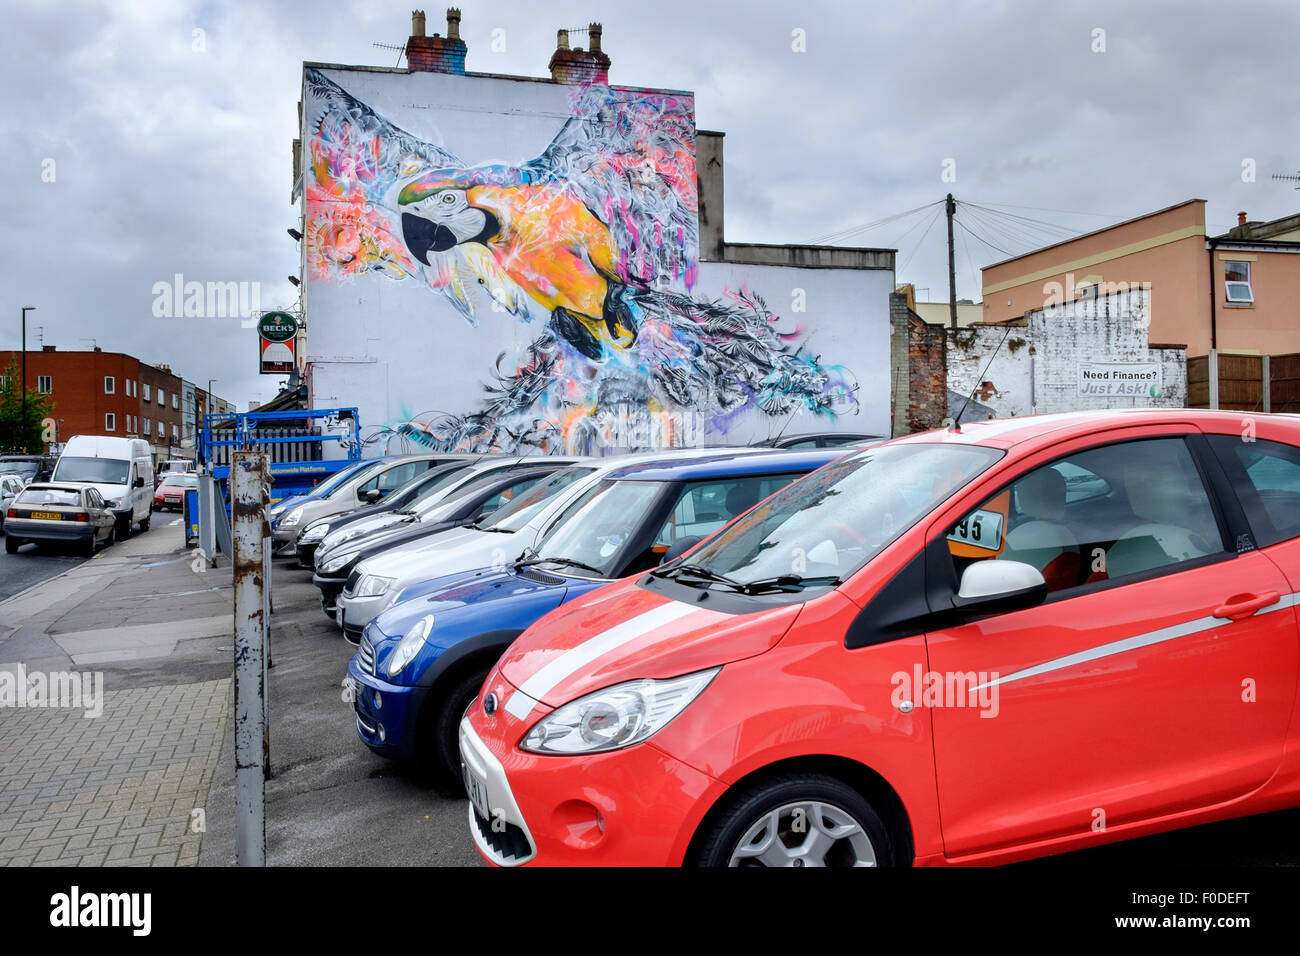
x=162, y=400
x=130, y=388
x=176, y=402
x=44, y=385
x=176, y=431
x=110, y=422
x=146, y=392
x=147, y=425
x=1236, y=281
x=162, y=430
x=110, y=385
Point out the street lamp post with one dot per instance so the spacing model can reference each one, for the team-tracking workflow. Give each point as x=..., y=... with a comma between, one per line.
x=23, y=426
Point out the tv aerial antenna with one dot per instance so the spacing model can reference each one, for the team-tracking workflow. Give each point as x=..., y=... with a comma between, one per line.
x=1288, y=178
x=401, y=50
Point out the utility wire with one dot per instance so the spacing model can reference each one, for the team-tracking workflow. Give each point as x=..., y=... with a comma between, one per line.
x=841, y=235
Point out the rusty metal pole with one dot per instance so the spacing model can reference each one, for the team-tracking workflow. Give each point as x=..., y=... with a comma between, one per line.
x=248, y=495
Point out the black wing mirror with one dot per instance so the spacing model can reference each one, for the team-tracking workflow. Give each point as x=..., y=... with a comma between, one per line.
x=681, y=547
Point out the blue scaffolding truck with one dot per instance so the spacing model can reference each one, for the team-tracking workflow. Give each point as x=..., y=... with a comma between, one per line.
x=295, y=441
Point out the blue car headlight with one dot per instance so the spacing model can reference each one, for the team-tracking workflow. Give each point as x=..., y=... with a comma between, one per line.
x=409, y=645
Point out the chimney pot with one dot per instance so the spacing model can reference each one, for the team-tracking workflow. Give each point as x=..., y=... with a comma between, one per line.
x=453, y=23
x=1241, y=218
x=593, y=34
x=417, y=23
x=561, y=39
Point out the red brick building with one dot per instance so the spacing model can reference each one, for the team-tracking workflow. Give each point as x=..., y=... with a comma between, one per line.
x=111, y=393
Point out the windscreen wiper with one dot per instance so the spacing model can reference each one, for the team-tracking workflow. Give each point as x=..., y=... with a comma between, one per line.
x=569, y=561
x=789, y=582
x=699, y=571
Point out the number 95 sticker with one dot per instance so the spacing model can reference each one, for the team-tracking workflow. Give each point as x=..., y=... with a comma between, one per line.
x=979, y=529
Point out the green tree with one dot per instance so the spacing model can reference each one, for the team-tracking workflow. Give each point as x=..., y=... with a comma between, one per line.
x=17, y=435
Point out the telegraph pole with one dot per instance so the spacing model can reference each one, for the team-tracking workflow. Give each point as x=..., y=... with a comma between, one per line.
x=23, y=426
x=950, y=206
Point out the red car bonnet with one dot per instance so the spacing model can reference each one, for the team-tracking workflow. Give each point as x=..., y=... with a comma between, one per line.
x=623, y=632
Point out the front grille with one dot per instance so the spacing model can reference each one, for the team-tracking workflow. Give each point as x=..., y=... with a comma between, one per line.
x=507, y=841
x=366, y=657
x=350, y=587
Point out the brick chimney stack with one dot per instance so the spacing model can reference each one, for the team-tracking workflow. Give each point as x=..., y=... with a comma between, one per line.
x=576, y=65
x=435, y=54
x=1241, y=218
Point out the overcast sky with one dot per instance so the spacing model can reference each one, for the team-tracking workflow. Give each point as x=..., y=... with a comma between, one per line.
x=170, y=159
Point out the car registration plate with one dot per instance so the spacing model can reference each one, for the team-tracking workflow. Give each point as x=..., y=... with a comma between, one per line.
x=47, y=515
x=477, y=790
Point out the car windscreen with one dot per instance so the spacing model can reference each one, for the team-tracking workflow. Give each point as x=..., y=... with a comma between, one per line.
x=437, y=506
x=25, y=469
x=360, y=475
x=594, y=529
x=829, y=524
x=182, y=481
x=49, y=497
x=439, y=491
x=98, y=471
x=323, y=489
x=517, y=513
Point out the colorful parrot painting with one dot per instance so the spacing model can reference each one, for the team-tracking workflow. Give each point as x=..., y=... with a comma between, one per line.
x=597, y=237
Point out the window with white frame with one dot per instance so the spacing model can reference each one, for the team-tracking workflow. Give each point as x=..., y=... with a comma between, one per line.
x=146, y=391
x=176, y=430
x=44, y=385
x=110, y=422
x=162, y=429
x=110, y=385
x=1236, y=281
x=176, y=402
x=148, y=423
x=162, y=398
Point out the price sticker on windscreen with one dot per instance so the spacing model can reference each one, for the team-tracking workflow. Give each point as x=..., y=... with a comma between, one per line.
x=979, y=529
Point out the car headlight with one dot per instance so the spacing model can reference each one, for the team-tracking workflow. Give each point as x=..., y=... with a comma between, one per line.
x=314, y=533
x=410, y=645
x=337, y=562
x=615, y=717
x=112, y=502
x=292, y=518
x=372, y=585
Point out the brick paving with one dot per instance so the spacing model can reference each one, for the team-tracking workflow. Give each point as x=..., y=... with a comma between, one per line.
x=117, y=789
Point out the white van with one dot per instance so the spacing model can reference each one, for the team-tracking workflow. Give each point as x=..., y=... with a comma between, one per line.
x=120, y=469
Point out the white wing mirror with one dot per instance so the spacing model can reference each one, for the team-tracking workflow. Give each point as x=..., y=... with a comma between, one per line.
x=989, y=586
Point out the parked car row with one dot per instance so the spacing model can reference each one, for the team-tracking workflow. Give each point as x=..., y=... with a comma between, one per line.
x=924, y=651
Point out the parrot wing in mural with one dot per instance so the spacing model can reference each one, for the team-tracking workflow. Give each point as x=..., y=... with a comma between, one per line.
x=359, y=163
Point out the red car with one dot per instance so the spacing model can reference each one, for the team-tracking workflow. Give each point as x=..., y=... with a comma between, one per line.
x=170, y=493
x=960, y=647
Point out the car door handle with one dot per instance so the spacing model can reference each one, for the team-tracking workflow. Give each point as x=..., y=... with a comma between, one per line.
x=1241, y=606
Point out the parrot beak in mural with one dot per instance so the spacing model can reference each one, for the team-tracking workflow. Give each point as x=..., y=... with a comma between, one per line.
x=437, y=219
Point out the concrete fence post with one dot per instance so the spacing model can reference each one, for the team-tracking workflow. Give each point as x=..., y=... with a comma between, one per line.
x=1213, y=369
x=249, y=498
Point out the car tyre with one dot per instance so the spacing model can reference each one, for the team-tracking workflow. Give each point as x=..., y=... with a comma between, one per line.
x=144, y=523
x=12, y=544
x=112, y=537
x=796, y=820
x=437, y=746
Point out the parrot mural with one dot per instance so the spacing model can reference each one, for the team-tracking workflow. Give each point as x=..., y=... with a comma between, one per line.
x=595, y=241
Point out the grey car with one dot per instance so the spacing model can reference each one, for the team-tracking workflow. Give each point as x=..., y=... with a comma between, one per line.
x=366, y=487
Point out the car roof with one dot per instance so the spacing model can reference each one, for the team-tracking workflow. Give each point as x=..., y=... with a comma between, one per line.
x=726, y=464
x=1061, y=426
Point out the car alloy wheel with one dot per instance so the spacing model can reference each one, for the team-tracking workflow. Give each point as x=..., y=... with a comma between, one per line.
x=805, y=833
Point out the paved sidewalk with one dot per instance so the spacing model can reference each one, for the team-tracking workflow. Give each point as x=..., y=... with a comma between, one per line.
x=116, y=787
